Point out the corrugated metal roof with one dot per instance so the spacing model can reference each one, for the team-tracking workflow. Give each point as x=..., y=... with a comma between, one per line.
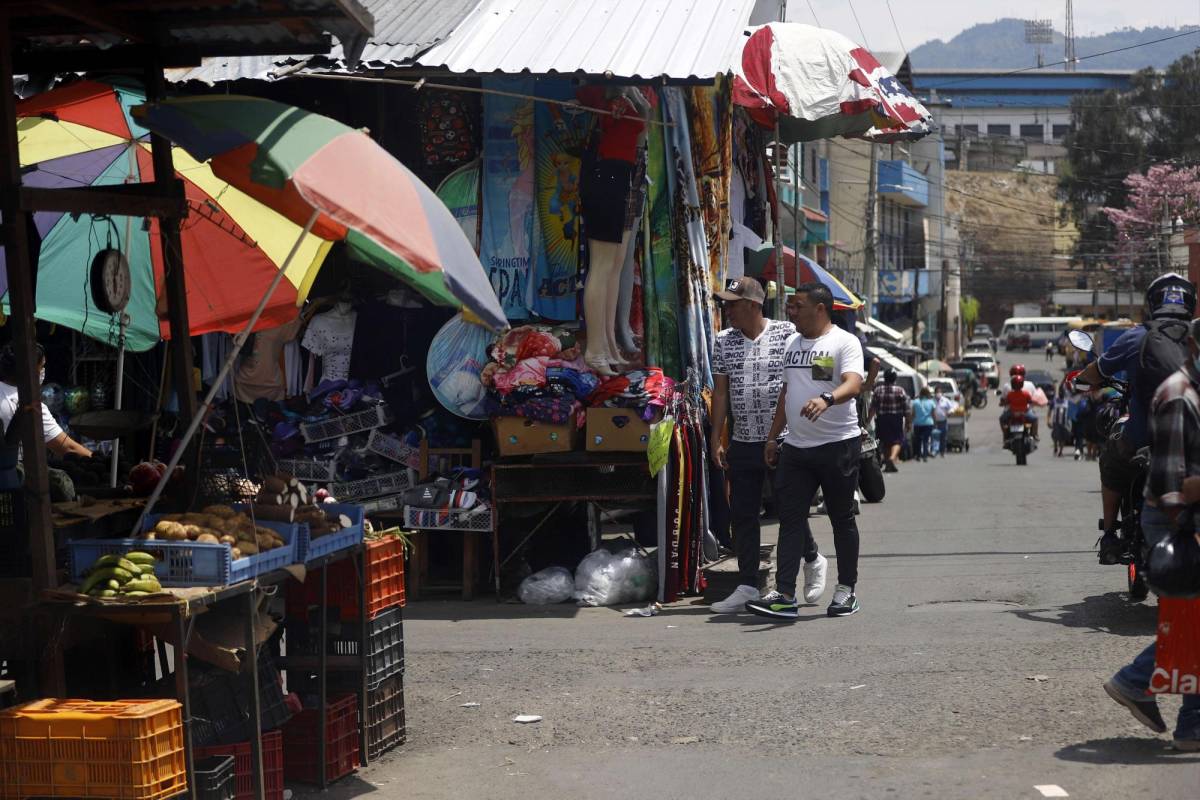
x=403, y=29
x=624, y=38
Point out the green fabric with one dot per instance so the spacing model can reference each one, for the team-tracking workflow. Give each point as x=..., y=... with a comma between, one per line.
x=660, y=444
x=660, y=294
x=430, y=284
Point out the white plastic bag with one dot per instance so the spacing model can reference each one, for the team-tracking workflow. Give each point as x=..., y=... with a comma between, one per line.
x=604, y=579
x=550, y=585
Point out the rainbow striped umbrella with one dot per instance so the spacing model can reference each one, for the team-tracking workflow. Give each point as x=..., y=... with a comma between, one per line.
x=798, y=269
x=338, y=183
x=83, y=135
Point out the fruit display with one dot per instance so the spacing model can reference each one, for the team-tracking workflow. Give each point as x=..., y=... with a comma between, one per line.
x=285, y=499
x=127, y=576
x=78, y=400
x=217, y=524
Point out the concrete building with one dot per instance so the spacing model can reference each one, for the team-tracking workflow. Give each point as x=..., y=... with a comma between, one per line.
x=997, y=120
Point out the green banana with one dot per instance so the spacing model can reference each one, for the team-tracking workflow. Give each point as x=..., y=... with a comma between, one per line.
x=113, y=560
x=147, y=585
x=135, y=594
x=102, y=577
x=138, y=557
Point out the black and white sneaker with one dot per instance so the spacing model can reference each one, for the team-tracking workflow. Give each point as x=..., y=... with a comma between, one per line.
x=1144, y=709
x=844, y=602
x=775, y=604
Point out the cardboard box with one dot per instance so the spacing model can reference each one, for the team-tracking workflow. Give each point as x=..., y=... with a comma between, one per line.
x=517, y=436
x=616, y=430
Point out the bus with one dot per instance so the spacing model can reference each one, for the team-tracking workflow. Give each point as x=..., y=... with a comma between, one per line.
x=1039, y=329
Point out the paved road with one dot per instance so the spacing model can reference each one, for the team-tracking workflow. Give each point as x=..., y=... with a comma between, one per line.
x=973, y=670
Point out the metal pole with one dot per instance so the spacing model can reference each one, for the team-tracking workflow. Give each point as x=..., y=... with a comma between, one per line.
x=869, y=254
x=256, y=765
x=118, y=398
x=238, y=341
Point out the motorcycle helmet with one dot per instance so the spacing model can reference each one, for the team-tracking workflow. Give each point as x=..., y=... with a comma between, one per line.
x=1017, y=369
x=1017, y=382
x=1171, y=295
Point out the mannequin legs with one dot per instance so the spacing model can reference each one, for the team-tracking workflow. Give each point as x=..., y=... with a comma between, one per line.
x=624, y=332
x=600, y=303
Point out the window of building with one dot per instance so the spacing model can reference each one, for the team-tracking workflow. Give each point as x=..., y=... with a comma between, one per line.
x=1037, y=132
x=999, y=130
x=1059, y=131
x=966, y=130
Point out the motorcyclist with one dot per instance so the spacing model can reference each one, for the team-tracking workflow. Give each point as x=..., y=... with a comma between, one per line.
x=1170, y=296
x=1016, y=383
x=1019, y=403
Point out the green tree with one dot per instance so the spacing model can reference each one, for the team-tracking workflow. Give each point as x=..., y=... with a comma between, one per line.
x=968, y=310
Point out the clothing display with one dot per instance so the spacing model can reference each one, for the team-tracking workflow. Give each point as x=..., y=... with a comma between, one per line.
x=619, y=136
x=214, y=349
x=261, y=372
x=330, y=336
x=755, y=371
x=606, y=195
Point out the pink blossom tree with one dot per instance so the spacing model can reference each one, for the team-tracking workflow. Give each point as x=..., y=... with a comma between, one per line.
x=1164, y=194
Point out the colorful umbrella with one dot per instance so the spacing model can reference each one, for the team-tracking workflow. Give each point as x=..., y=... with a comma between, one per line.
x=815, y=84
x=933, y=367
x=337, y=180
x=802, y=269
x=83, y=135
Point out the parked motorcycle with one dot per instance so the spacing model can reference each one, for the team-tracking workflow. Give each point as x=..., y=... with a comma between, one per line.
x=1110, y=422
x=870, y=470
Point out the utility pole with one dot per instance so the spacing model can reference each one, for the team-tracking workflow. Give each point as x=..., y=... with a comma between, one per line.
x=1069, y=39
x=869, y=256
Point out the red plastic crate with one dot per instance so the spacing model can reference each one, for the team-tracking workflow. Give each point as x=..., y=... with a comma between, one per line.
x=385, y=583
x=300, y=762
x=243, y=766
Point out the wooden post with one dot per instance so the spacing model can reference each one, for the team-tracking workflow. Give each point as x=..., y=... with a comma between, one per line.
x=172, y=249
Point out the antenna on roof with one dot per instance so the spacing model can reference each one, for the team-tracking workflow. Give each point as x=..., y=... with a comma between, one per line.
x=1069, y=39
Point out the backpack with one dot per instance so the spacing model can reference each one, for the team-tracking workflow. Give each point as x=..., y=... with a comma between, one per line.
x=1164, y=350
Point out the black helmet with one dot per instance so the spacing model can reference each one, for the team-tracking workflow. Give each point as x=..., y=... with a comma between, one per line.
x=889, y=375
x=1171, y=295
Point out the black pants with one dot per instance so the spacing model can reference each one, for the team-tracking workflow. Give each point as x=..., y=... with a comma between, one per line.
x=747, y=471
x=834, y=468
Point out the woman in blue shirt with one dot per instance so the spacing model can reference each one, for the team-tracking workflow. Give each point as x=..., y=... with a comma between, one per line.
x=922, y=410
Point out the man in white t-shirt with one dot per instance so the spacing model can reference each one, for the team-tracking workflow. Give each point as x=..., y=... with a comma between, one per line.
x=823, y=373
x=747, y=375
x=56, y=440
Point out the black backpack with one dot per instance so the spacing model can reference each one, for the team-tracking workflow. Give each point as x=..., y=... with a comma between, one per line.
x=1164, y=350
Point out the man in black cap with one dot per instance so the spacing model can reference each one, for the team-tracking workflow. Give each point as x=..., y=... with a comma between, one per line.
x=748, y=373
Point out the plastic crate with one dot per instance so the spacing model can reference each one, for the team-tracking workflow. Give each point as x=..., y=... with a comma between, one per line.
x=243, y=770
x=221, y=704
x=385, y=583
x=386, y=726
x=448, y=519
x=300, y=761
x=311, y=549
x=380, y=505
x=393, y=448
x=308, y=470
x=214, y=778
x=127, y=749
x=385, y=643
x=15, y=555
x=376, y=486
x=190, y=563
x=337, y=427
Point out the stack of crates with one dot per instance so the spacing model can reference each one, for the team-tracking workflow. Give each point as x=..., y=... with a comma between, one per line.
x=243, y=765
x=384, y=559
x=125, y=749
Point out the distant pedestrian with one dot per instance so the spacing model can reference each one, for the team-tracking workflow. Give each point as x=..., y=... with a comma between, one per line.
x=892, y=411
x=1059, y=420
x=922, y=423
x=1050, y=350
x=747, y=373
x=943, y=407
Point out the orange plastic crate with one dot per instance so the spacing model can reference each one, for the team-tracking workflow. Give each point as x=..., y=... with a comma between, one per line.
x=126, y=749
x=385, y=583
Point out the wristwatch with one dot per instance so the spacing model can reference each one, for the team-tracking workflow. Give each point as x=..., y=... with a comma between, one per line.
x=828, y=398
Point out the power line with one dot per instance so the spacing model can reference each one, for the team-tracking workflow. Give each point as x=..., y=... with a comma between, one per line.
x=895, y=27
x=814, y=13
x=861, y=32
x=1192, y=32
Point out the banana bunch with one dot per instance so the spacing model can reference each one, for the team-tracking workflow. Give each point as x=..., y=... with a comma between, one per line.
x=121, y=576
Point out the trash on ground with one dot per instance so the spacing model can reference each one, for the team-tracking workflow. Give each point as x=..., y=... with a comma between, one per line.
x=649, y=611
x=859, y=686
x=469, y=705
x=1051, y=790
x=685, y=740
x=1038, y=678
x=525, y=719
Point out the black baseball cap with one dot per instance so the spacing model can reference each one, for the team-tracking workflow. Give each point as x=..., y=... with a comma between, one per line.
x=744, y=289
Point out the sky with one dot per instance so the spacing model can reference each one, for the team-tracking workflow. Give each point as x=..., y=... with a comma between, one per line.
x=920, y=21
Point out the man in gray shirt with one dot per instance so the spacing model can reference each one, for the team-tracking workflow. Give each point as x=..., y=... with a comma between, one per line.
x=748, y=372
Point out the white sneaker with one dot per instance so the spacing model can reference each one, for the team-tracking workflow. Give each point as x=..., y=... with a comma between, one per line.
x=814, y=579
x=736, y=602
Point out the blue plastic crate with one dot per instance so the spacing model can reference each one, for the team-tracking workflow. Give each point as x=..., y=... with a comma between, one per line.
x=182, y=564
x=312, y=549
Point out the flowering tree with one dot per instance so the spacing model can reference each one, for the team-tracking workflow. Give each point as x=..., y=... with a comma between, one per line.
x=1157, y=199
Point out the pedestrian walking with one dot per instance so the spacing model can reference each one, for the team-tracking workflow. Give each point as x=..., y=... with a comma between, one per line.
x=892, y=412
x=823, y=373
x=1050, y=350
x=943, y=407
x=1077, y=408
x=1172, y=485
x=1058, y=420
x=922, y=423
x=747, y=374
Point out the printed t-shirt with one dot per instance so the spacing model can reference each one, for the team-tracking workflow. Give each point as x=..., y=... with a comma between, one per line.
x=331, y=336
x=755, y=370
x=813, y=366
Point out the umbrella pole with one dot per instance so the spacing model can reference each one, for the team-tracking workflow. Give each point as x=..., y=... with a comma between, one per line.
x=119, y=394
x=238, y=341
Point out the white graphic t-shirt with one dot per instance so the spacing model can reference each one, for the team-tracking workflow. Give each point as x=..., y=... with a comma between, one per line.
x=813, y=366
x=755, y=370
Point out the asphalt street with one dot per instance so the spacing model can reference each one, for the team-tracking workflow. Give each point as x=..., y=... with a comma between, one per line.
x=974, y=669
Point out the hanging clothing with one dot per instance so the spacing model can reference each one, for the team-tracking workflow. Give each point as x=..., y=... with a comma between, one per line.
x=331, y=337
x=214, y=349
x=262, y=373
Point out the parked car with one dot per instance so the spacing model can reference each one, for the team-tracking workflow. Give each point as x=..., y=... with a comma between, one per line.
x=982, y=331
x=1018, y=340
x=979, y=346
x=1043, y=380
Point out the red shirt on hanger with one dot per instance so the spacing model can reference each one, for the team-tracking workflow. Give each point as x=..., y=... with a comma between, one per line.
x=618, y=135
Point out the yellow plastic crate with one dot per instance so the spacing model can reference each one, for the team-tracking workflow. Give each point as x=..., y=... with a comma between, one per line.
x=127, y=749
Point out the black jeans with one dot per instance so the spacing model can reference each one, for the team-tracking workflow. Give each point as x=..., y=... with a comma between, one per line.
x=747, y=471
x=834, y=468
